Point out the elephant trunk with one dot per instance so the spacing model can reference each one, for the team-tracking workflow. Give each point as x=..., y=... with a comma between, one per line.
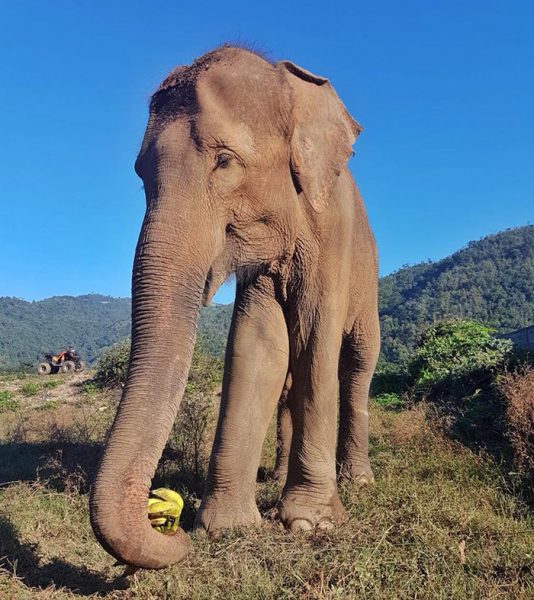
x=168, y=281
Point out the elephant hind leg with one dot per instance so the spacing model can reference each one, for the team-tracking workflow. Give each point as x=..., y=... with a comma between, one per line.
x=310, y=497
x=359, y=354
x=284, y=433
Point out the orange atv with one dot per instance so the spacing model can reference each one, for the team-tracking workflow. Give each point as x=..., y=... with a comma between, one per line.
x=67, y=361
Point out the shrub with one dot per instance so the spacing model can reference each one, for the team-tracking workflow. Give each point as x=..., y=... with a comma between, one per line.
x=390, y=400
x=49, y=405
x=112, y=365
x=457, y=351
x=390, y=379
x=517, y=390
x=189, y=432
x=188, y=439
x=205, y=372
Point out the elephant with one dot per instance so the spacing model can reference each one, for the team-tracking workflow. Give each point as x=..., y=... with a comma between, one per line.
x=245, y=170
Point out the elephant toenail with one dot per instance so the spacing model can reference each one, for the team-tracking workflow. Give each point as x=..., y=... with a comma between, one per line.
x=300, y=525
x=325, y=524
x=364, y=479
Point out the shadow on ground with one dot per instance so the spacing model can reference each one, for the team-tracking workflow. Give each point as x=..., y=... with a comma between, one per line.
x=70, y=467
x=57, y=464
x=21, y=560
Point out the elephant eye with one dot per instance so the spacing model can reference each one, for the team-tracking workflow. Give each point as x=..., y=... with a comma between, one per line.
x=223, y=160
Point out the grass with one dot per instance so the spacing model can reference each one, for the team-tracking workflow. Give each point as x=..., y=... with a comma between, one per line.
x=30, y=389
x=90, y=388
x=440, y=522
x=49, y=405
x=7, y=402
x=33, y=386
x=50, y=384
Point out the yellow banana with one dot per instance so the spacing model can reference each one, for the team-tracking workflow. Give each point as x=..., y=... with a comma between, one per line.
x=164, y=510
x=152, y=501
x=170, y=496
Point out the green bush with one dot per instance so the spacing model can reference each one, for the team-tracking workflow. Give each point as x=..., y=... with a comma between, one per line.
x=48, y=406
x=189, y=437
x=390, y=379
x=390, y=400
x=112, y=365
x=455, y=368
x=457, y=350
x=205, y=372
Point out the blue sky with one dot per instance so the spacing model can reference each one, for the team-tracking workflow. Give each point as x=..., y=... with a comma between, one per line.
x=444, y=90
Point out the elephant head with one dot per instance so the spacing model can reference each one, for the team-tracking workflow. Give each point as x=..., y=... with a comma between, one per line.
x=238, y=153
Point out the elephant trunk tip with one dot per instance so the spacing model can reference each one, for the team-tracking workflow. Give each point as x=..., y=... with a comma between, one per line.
x=129, y=537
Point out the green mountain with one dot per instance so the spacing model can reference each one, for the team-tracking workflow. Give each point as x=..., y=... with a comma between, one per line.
x=89, y=323
x=491, y=280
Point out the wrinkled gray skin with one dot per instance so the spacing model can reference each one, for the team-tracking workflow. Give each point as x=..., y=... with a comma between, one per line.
x=244, y=165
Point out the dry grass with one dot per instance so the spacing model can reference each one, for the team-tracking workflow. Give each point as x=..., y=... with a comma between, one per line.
x=518, y=391
x=440, y=522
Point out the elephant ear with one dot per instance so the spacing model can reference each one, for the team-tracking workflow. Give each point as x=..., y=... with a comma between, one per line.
x=322, y=134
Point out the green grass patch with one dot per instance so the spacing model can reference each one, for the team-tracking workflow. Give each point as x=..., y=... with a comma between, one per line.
x=51, y=384
x=90, y=388
x=48, y=406
x=7, y=402
x=30, y=389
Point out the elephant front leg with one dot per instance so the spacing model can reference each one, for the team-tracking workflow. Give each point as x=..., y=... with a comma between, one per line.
x=310, y=496
x=255, y=371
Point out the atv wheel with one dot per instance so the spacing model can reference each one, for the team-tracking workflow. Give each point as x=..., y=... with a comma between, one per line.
x=80, y=366
x=68, y=367
x=44, y=368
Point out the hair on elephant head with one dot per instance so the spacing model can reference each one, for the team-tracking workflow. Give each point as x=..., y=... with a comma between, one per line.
x=240, y=156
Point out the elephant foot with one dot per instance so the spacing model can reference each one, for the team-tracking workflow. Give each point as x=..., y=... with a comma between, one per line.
x=301, y=512
x=214, y=516
x=359, y=472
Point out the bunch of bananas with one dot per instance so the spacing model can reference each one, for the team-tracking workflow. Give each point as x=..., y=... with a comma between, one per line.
x=164, y=510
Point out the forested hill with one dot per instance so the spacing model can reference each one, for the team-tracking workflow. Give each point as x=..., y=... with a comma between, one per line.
x=89, y=323
x=491, y=280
